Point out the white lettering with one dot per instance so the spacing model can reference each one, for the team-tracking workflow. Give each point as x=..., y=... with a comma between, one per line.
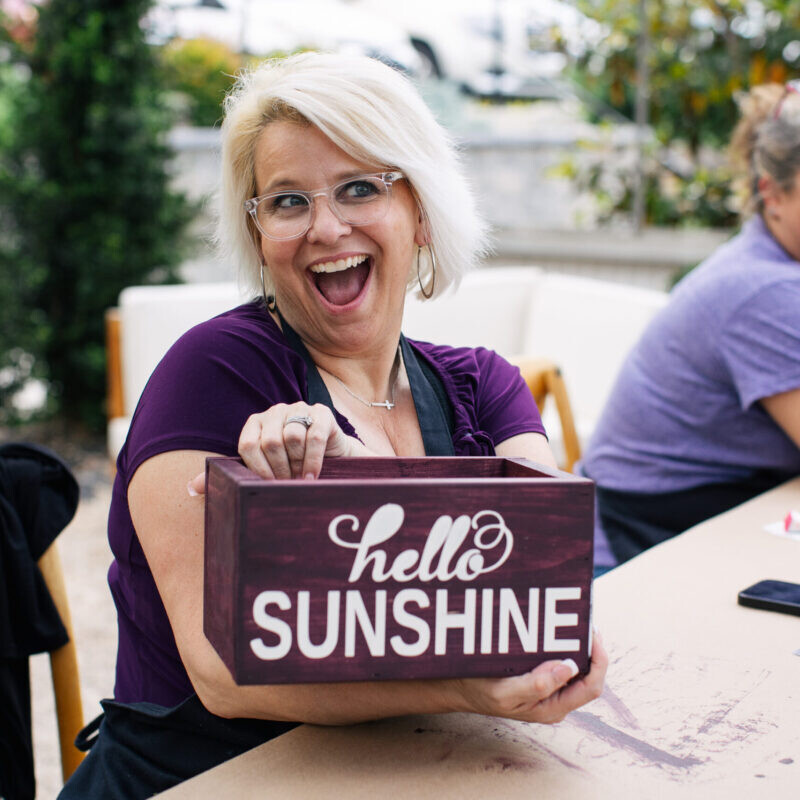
x=446, y=620
x=374, y=635
x=407, y=620
x=554, y=620
x=459, y=528
x=504, y=536
x=383, y=524
x=503, y=615
x=442, y=545
x=509, y=609
x=487, y=615
x=402, y=569
x=271, y=624
x=433, y=544
x=307, y=647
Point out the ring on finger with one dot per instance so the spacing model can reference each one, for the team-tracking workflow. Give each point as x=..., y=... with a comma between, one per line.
x=306, y=421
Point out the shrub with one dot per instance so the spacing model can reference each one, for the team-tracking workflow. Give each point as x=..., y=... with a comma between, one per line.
x=701, y=56
x=202, y=70
x=85, y=203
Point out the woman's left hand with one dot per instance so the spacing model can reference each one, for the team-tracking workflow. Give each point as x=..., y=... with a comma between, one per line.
x=290, y=441
x=544, y=695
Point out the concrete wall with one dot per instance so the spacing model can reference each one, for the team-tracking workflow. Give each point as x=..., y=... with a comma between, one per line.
x=534, y=215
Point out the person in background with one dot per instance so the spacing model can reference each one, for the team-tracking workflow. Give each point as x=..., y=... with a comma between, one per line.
x=340, y=193
x=705, y=413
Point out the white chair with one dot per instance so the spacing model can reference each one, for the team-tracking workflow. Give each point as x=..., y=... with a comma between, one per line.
x=587, y=327
x=148, y=320
x=490, y=308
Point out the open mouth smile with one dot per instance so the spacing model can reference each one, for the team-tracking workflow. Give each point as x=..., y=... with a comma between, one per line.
x=341, y=282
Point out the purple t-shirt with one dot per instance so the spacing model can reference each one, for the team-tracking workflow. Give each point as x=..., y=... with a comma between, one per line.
x=199, y=397
x=684, y=411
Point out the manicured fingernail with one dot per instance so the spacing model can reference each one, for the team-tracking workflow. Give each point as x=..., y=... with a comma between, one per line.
x=309, y=476
x=190, y=489
x=571, y=665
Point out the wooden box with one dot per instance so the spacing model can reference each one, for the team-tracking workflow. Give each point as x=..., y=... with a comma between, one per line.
x=397, y=568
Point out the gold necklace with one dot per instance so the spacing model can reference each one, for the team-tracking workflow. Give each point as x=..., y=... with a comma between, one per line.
x=387, y=404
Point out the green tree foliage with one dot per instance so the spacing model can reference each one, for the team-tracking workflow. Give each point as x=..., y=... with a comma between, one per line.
x=701, y=55
x=202, y=70
x=85, y=203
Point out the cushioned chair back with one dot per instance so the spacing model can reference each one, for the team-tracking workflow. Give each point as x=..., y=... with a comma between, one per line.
x=588, y=327
x=489, y=309
x=152, y=318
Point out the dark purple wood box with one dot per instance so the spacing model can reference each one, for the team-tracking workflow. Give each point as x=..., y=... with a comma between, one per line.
x=396, y=568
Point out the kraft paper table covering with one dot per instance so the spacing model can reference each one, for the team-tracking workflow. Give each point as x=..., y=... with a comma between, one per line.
x=702, y=699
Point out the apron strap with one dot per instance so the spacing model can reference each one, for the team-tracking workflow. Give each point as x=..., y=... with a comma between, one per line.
x=433, y=408
x=434, y=412
x=317, y=390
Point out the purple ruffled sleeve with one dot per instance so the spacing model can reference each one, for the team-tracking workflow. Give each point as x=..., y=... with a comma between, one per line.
x=491, y=402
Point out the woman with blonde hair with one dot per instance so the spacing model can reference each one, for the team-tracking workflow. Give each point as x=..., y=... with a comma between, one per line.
x=705, y=413
x=340, y=193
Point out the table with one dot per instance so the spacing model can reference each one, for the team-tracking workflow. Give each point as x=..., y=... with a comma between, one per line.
x=701, y=699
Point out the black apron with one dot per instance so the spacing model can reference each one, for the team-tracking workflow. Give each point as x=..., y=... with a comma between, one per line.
x=636, y=521
x=137, y=750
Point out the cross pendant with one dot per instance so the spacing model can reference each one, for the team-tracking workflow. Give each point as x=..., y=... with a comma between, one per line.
x=385, y=404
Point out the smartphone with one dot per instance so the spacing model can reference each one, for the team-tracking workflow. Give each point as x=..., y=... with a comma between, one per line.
x=772, y=596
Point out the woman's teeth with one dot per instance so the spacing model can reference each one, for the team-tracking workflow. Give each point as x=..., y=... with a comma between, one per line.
x=341, y=264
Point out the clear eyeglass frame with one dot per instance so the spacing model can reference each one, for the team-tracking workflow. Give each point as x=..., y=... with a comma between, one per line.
x=380, y=209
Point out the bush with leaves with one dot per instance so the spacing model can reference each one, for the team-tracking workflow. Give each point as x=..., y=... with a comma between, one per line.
x=202, y=70
x=701, y=56
x=85, y=203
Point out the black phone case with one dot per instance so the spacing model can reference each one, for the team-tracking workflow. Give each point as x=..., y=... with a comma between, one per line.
x=772, y=595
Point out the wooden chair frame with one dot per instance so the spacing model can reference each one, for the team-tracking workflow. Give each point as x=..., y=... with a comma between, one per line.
x=64, y=668
x=115, y=398
x=544, y=379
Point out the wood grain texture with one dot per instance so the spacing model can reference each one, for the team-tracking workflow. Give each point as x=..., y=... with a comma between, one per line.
x=220, y=585
x=429, y=559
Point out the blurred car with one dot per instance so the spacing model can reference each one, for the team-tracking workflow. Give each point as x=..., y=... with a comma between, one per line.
x=261, y=27
x=505, y=47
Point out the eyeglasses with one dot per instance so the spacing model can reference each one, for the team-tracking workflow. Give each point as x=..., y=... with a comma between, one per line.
x=791, y=87
x=359, y=200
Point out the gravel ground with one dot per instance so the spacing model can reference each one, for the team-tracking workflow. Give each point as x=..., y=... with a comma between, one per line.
x=85, y=557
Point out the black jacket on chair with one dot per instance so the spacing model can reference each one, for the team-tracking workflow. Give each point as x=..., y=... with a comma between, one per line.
x=38, y=498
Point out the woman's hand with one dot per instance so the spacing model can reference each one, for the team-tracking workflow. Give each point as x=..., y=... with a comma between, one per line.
x=290, y=441
x=542, y=695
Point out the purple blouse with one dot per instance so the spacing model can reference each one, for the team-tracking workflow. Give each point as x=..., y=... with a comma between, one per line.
x=199, y=397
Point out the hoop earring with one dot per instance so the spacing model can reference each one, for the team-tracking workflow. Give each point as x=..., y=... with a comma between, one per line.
x=269, y=299
x=427, y=295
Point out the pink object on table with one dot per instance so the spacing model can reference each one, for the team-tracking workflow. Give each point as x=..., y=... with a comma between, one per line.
x=791, y=522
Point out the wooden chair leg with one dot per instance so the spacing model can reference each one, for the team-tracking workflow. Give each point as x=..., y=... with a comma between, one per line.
x=115, y=401
x=558, y=389
x=64, y=668
x=544, y=378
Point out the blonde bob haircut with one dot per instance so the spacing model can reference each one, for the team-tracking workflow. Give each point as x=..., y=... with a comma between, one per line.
x=375, y=115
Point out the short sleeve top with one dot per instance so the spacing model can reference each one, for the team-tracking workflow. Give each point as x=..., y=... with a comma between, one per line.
x=684, y=411
x=199, y=397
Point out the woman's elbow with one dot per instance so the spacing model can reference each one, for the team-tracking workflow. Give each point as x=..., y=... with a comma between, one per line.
x=213, y=685
x=215, y=695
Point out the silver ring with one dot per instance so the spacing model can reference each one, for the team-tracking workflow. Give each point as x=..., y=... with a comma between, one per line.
x=305, y=421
